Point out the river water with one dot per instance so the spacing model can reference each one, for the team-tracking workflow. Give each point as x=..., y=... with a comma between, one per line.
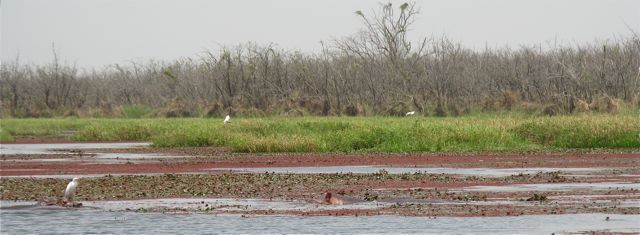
x=97, y=221
x=47, y=148
x=494, y=172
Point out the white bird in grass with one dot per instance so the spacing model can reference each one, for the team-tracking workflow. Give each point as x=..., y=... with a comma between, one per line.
x=410, y=113
x=227, y=119
x=71, y=189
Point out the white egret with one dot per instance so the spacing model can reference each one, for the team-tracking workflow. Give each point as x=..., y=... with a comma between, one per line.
x=410, y=113
x=227, y=119
x=71, y=189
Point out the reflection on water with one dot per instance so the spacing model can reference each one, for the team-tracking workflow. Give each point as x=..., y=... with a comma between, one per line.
x=95, y=221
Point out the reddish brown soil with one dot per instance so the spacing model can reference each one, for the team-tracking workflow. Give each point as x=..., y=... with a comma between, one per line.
x=11, y=164
x=202, y=159
x=441, y=210
x=495, y=160
x=8, y=157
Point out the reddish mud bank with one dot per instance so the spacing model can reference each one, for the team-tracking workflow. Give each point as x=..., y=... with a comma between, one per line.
x=363, y=195
x=9, y=157
x=468, y=210
x=497, y=160
x=433, y=195
x=11, y=165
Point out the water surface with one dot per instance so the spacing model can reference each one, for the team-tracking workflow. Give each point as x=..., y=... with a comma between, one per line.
x=93, y=221
x=497, y=172
x=50, y=148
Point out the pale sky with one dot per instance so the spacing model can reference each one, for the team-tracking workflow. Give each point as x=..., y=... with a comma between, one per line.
x=95, y=33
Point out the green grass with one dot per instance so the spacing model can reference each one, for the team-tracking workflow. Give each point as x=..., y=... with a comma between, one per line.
x=502, y=132
x=41, y=127
x=136, y=111
x=5, y=136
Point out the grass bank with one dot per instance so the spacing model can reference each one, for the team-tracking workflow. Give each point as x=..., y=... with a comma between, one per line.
x=506, y=132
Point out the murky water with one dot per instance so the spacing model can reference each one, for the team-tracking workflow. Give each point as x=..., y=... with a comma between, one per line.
x=96, y=221
x=47, y=148
x=95, y=156
x=401, y=170
x=219, y=204
x=230, y=204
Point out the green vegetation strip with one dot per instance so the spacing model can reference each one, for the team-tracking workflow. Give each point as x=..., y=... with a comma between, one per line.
x=352, y=134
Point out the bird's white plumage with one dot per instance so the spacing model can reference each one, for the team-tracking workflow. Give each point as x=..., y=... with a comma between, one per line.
x=227, y=119
x=410, y=113
x=71, y=189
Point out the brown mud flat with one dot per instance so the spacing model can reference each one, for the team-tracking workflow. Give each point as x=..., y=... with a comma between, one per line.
x=465, y=210
x=225, y=157
x=407, y=195
x=9, y=157
x=204, y=158
x=189, y=175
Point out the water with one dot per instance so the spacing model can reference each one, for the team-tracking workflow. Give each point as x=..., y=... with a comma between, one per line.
x=220, y=204
x=229, y=204
x=497, y=172
x=118, y=222
x=91, y=175
x=95, y=157
x=49, y=148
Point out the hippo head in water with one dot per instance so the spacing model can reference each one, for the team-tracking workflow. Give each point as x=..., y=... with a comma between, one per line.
x=332, y=200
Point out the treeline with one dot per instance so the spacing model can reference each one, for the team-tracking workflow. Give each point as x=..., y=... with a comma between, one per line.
x=374, y=72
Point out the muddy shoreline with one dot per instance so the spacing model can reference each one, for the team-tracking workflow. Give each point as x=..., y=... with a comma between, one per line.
x=611, y=183
x=12, y=165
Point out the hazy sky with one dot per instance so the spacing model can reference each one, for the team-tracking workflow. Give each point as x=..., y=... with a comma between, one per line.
x=94, y=33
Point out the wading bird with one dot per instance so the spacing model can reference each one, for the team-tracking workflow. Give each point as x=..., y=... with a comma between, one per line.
x=71, y=189
x=227, y=119
x=410, y=113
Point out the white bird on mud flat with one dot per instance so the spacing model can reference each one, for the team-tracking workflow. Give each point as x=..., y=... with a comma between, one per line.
x=410, y=113
x=227, y=119
x=71, y=189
